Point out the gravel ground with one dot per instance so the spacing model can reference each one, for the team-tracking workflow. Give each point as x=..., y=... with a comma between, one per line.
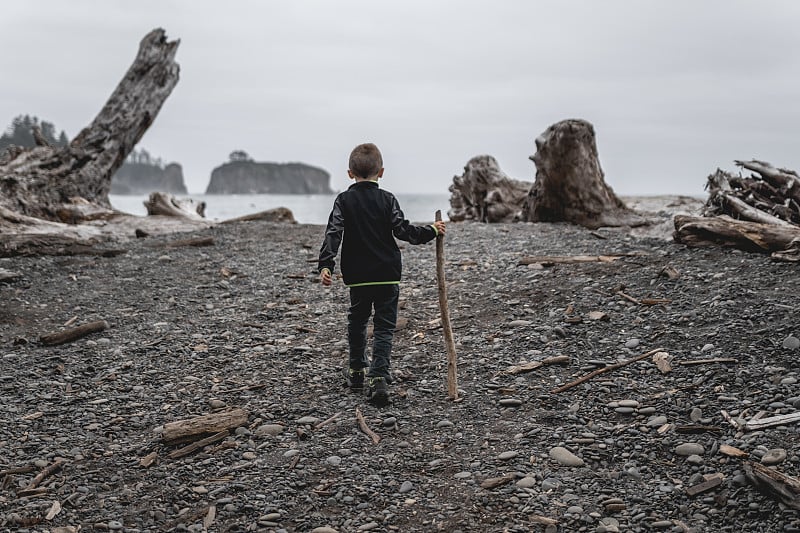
x=244, y=324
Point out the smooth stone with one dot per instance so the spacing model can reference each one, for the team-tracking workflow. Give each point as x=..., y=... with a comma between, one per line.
x=528, y=482
x=463, y=475
x=550, y=484
x=696, y=414
x=334, y=460
x=791, y=342
x=520, y=323
x=565, y=457
x=656, y=421
x=625, y=410
x=389, y=422
x=510, y=402
x=406, y=487
x=444, y=424
x=774, y=456
x=505, y=456
x=707, y=348
x=308, y=420
x=695, y=460
x=632, y=343
x=689, y=448
x=249, y=456
x=324, y=529
x=216, y=404
x=269, y=430
x=628, y=403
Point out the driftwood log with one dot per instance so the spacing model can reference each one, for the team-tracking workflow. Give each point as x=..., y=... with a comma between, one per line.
x=759, y=213
x=570, y=185
x=484, y=193
x=204, y=425
x=161, y=203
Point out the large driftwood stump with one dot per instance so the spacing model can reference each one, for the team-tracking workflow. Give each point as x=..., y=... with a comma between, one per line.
x=484, y=193
x=570, y=185
x=162, y=203
x=37, y=182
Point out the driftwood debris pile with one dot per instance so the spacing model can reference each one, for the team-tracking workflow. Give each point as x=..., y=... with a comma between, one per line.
x=759, y=213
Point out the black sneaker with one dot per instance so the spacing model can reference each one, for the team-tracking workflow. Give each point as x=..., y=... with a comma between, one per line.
x=378, y=392
x=353, y=378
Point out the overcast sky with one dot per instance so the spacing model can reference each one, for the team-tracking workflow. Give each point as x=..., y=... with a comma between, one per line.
x=674, y=88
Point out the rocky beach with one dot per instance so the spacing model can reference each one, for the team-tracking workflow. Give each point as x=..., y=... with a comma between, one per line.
x=657, y=444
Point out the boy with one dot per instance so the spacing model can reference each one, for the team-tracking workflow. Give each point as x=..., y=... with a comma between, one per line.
x=365, y=220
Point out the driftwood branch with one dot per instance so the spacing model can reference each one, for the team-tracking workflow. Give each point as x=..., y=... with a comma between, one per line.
x=362, y=424
x=69, y=335
x=447, y=328
x=603, y=370
x=41, y=476
x=725, y=231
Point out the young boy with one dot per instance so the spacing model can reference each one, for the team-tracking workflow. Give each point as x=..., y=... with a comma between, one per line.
x=365, y=220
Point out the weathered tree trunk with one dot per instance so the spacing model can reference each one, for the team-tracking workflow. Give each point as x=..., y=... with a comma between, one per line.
x=484, y=193
x=38, y=182
x=570, y=185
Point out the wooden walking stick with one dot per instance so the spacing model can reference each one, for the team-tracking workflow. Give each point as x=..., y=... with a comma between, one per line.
x=452, y=377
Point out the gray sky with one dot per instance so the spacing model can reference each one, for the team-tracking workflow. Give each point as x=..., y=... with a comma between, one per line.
x=674, y=88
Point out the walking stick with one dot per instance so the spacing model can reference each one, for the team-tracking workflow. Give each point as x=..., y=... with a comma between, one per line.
x=452, y=378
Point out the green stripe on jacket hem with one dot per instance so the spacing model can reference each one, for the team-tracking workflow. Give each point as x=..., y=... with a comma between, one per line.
x=374, y=283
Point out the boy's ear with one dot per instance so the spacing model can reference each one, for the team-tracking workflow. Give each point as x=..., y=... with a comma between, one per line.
x=350, y=174
x=380, y=173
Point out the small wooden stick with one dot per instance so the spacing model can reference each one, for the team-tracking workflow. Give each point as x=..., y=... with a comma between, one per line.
x=193, y=447
x=362, y=424
x=608, y=368
x=709, y=361
x=629, y=298
x=328, y=421
x=69, y=335
x=533, y=365
x=447, y=328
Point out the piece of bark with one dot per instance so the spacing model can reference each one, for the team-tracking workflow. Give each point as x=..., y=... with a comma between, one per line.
x=55, y=508
x=494, y=482
x=543, y=520
x=533, y=365
x=784, y=488
x=148, y=459
x=731, y=451
x=663, y=361
x=193, y=447
x=69, y=335
x=362, y=424
x=711, y=481
x=211, y=515
x=7, y=275
x=199, y=426
x=603, y=370
x=570, y=185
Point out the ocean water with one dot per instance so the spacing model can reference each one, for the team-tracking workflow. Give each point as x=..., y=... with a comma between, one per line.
x=307, y=208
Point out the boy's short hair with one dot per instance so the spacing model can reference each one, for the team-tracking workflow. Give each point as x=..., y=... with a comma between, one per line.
x=366, y=160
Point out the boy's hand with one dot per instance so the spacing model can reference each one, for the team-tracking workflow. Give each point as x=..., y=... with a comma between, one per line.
x=440, y=228
x=325, y=277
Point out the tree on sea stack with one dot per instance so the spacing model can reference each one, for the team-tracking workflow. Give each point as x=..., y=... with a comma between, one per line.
x=46, y=184
x=570, y=185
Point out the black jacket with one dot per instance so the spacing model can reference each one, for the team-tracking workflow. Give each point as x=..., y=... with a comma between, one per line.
x=365, y=220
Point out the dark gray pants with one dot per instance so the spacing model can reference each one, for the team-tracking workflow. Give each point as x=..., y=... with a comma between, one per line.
x=383, y=298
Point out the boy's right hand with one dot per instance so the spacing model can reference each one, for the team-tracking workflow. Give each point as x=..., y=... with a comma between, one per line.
x=325, y=277
x=440, y=227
